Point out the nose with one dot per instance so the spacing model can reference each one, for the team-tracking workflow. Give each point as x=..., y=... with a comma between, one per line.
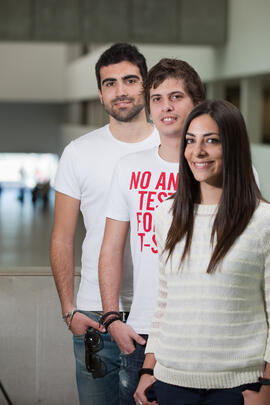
x=167, y=106
x=199, y=149
x=120, y=89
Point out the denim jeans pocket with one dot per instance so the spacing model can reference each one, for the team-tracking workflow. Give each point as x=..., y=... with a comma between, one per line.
x=133, y=360
x=128, y=354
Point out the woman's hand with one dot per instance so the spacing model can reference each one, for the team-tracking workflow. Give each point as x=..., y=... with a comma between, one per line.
x=257, y=398
x=146, y=382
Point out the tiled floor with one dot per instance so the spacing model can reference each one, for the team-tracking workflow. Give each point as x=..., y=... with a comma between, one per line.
x=25, y=231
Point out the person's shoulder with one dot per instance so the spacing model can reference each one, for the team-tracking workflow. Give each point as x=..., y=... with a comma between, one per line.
x=89, y=138
x=163, y=217
x=164, y=210
x=145, y=155
x=260, y=221
x=263, y=211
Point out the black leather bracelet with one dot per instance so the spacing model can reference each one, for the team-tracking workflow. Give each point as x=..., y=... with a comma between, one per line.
x=110, y=321
x=102, y=319
x=264, y=381
x=149, y=371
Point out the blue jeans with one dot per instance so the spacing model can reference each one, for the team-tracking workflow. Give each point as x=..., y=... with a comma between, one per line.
x=129, y=374
x=168, y=394
x=97, y=391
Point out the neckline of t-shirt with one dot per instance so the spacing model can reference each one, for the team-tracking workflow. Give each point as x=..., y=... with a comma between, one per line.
x=131, y=144
x=165, y=162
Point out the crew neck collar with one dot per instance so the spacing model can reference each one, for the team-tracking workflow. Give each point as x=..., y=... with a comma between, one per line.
x=109, y=133
x=163, y=161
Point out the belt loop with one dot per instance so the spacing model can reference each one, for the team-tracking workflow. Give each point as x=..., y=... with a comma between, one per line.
x=124, y=316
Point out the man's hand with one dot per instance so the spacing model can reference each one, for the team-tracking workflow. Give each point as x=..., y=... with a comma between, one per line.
x=146, y=382
x=124, y=337
x=257, y=398
x=81, y=322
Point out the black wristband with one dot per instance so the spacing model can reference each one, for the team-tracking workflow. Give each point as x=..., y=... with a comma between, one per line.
x=104, y=316
x=264, y=381
x=110, y=321
x=149, y=371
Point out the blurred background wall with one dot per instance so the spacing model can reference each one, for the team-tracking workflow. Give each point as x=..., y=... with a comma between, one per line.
x=48, y=96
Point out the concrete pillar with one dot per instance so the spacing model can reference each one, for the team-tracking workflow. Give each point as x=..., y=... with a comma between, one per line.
x=251, y=102
x=215, y=90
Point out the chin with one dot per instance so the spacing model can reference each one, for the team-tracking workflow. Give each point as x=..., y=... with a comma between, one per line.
x=174, y=133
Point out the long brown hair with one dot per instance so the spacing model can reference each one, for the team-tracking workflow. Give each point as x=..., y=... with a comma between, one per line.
x=240, y=193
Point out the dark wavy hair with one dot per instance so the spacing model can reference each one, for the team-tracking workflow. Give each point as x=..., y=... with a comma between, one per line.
x=118, y=53
x=240, y=193
x=177, y=69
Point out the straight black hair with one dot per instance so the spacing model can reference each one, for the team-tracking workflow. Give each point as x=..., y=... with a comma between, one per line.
x=118, y=53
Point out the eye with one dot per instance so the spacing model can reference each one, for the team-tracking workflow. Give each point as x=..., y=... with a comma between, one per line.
x=175, y=97
x=213, y=140
x=109, y=84
x=189, y=141
x=156, y=99
x=131, y=81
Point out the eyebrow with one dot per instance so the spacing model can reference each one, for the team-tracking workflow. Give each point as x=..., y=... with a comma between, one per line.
x=113, y=79
x=130, y=77
x=207, y=134
x=170, y=94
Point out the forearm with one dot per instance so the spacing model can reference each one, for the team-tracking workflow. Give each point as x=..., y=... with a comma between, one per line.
x=146, y=380
x=110, y=279
x=265, y=389
x=62, y=253
x=62, y=263
x=266, y=373
x=110, y=263
x=149, y=361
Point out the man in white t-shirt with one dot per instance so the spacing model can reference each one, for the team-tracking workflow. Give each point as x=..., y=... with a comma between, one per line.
x=82, y=182
x=140, y=182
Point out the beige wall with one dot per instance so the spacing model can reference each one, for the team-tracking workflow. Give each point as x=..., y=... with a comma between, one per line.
x=37, y=362
x=32, y=72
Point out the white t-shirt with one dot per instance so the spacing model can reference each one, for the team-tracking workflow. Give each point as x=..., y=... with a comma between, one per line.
x=84, y=173
x=141, y=181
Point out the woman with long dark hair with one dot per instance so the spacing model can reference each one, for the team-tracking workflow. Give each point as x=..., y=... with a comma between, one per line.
x=209, y=342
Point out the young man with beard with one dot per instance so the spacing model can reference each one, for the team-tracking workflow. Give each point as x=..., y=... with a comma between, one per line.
x=140, y=183
x=82, y=183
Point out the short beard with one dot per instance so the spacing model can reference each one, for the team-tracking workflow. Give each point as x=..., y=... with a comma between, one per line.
x=125, y=116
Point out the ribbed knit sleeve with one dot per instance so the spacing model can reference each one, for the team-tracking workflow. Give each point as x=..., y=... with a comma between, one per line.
x=266, y=251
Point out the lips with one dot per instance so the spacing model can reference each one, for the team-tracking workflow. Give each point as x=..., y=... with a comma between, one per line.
x=122, y=103
x=168, y=119
x=201, y=165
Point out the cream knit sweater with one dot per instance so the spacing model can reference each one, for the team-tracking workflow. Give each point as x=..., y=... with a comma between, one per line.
x=211, y=330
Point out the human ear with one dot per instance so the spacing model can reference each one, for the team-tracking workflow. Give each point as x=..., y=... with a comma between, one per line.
x=100, y=96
